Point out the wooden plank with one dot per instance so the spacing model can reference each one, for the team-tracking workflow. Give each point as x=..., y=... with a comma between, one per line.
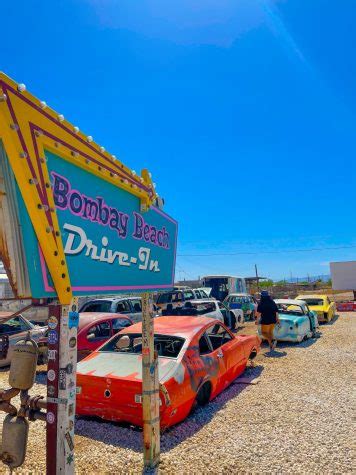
x=150, y=387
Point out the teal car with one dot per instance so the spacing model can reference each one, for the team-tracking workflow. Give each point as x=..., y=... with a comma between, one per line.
x=245, y=302
x=297, y=321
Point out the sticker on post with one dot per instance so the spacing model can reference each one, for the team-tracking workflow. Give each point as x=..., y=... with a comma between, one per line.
x=72, y=342
x=69, y=441
x=50, y=417
x=51, y=390
x=52, y=323
x=52, y=355
x=73, y=319
x=51, y=375
x=62, y=379
x=52, y=337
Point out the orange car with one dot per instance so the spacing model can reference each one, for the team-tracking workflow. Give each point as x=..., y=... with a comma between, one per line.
x=198, y=358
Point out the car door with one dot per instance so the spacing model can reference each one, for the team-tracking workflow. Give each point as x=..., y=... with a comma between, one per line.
x=123, y=307
x=136, y=310
x=228, y=353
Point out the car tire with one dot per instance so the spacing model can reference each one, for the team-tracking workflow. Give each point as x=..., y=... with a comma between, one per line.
x=203, y=396
x=233, y=321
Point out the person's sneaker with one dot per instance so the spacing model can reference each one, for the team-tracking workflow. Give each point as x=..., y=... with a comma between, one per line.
x=274, y=344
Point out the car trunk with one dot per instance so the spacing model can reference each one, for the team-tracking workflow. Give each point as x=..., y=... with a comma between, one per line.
x=110, y=385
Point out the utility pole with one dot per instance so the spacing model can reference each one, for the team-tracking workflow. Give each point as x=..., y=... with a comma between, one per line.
x=257, y=279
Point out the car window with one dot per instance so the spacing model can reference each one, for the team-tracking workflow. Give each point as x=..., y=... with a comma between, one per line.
x=204, y=295
x=102, y=306
x=198, y=294
x=123, y=306
x=99, y=331
x=164, y=298
x=131, y=343
x=119, y=323
x=177, y=297
x=136, y=305
x=218, y=336
x=15, y=325
x=204, y=346
x=189, y=295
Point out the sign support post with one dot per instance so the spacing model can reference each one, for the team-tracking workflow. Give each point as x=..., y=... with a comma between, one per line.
x=150, y=387
x=61, y=384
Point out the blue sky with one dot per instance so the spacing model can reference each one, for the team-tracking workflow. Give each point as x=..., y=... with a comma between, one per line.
x=244, y=111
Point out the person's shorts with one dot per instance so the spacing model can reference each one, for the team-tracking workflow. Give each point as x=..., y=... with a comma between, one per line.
x=267, y=330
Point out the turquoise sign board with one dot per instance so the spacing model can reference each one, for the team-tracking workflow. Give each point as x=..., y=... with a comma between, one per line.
x=109, y=244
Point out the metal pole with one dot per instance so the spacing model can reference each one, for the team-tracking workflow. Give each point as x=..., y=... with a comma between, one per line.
x=257, y=279
x=150, y=387
x=61, y=383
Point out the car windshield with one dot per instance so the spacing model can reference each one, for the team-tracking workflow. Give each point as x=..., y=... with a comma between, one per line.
x=164, y=298
x=314, y=301
x=290, y=309
x=236, y=299
x=167, y=346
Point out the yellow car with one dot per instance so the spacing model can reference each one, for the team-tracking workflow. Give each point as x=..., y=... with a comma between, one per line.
x=321, y=305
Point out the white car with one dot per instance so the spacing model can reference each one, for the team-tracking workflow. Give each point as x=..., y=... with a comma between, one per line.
x=209, y=308
x=17, y=328
x=177, y=298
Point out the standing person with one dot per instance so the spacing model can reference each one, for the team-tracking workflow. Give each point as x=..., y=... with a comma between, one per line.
x=267, y=312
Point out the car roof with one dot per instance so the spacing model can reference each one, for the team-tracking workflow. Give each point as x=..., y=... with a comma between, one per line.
x=240, y=294
x=90, y=318
x=110, y=299
x=311, y=296
x=207, y=300
x=290, y=302
x=186, y=327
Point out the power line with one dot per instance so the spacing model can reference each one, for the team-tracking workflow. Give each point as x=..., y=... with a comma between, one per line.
x=267, y=252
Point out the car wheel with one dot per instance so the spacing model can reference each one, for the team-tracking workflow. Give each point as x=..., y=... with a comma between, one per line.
x=233, y=321
x=203, y=395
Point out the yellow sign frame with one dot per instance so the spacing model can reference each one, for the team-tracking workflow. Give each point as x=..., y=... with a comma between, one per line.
x=28, y=127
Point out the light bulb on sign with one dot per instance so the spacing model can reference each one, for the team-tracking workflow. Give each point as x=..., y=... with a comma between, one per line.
x=75, y=129
x=61, y=117
x=102, y=149
x=89, y=138
x=43, y=104
x=113, y=157
x=21, y=87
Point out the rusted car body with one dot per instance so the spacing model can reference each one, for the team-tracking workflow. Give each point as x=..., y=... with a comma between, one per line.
x=197, y=359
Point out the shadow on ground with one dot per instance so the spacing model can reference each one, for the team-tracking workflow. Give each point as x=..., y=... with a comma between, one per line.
x=121, y=435
x=334, y=320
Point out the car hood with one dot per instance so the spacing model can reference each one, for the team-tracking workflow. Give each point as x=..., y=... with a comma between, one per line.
x=123, y=366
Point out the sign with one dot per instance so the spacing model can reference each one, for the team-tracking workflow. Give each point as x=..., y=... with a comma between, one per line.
x=343, y=275
x=78, y=220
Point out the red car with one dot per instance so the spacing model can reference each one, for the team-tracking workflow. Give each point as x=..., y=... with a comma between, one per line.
x=198, y=358
x=96, y=328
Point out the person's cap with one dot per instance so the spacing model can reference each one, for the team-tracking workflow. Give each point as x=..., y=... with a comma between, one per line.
x=264, y=293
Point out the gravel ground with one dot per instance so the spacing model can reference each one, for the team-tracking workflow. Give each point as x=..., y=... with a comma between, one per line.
x=297, y=419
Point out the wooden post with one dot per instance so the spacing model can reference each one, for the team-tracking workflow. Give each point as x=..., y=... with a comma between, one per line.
x=61, y=387
x=150, y=387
